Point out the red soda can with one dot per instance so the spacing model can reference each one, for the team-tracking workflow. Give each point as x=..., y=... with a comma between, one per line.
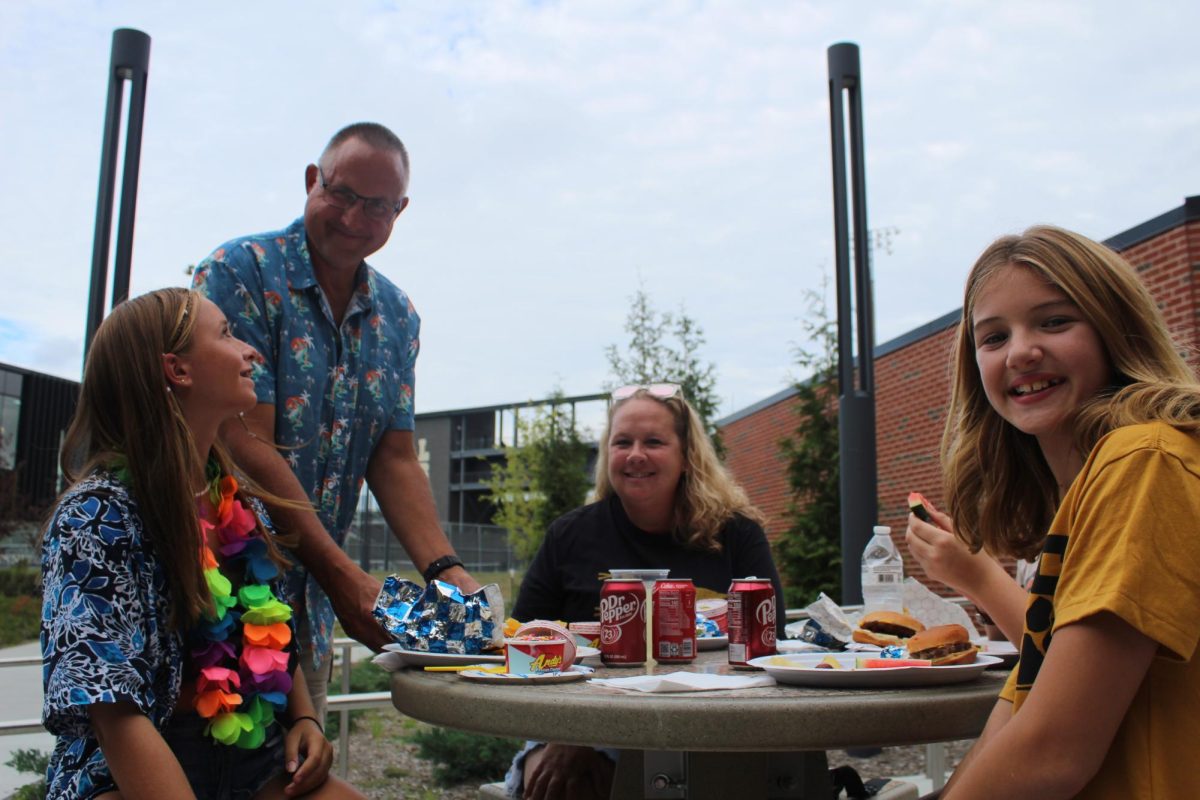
x=751, y=619
x=674, y=634
x=623, y=622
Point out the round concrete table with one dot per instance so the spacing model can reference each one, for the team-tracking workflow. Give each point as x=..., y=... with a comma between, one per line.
x=753, y=728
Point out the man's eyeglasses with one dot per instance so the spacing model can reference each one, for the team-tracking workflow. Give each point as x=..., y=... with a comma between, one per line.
x=663, y=391
x=374, y=207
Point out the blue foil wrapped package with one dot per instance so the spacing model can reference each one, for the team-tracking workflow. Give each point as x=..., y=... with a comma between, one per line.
x=439, y=618
x=813, y=633
x=893, y=651
x=705, y=627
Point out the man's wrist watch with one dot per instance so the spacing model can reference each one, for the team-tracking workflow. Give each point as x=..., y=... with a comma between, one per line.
x=440, y=565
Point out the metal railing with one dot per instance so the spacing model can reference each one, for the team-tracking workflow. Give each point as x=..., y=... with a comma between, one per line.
x=341, y=704
x=346, y=702
x=483, y=548
x=19, y=726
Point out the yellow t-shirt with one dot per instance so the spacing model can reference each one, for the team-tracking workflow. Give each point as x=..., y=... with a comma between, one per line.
x=1126, y=540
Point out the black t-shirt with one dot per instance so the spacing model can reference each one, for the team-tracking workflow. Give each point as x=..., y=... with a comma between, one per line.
x=564, y=580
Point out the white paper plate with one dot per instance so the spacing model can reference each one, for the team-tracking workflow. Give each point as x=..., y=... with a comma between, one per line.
x=711, y=642
x=417, y=658
x=583, y=652
x=572, y=673
x=800, y=669
x=1005, y=651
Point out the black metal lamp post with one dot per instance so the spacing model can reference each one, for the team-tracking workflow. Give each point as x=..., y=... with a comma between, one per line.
x=856, y=399
x=130, y=61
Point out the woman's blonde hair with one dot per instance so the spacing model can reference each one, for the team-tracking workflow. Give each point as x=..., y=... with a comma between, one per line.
x=127, y=416
x=999, y=488
x=707, y=497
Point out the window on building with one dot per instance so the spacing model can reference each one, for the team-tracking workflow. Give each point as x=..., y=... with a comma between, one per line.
x=10, y=416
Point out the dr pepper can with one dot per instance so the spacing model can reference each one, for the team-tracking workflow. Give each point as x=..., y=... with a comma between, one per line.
x=751, y=620
x=623, y=622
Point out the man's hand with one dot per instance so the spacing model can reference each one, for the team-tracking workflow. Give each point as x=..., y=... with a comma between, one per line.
x=353, y=596
x=563, y=770
x=460, y=578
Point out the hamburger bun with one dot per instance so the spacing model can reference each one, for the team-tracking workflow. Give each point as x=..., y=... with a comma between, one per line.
x=883, y=628
x=943, y=645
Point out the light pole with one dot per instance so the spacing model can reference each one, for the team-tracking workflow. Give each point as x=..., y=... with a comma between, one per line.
x=130, y=62
x=856, y=398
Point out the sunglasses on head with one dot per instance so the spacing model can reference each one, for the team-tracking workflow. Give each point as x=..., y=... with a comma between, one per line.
x=663, y=391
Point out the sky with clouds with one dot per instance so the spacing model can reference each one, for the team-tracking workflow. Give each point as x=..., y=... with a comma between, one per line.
x=567, y=153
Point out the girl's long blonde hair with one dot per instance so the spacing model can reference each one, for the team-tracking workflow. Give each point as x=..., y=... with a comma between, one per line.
x=999, y=488
x=707, y=497
x=127, y=416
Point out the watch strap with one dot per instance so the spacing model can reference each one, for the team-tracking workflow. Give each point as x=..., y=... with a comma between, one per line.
x=440, y=565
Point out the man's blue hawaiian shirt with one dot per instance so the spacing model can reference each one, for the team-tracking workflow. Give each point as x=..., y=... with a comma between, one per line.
x=336, y=391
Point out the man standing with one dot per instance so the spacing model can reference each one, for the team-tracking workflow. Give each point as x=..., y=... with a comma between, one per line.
x=335, y=387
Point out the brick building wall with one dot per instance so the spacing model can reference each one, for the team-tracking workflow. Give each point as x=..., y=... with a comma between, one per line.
x=912, y=376
x=752, y=455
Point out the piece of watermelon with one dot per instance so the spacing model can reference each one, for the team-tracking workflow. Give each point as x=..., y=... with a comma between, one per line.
x=890, y=663
x=919, y=506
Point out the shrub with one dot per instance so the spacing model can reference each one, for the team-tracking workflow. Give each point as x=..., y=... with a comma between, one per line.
x=459, y=756
x=20, y=619
x=35, y=762
x=20, y=582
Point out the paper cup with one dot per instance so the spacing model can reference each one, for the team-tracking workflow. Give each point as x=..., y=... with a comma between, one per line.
x=531, y=656
x=717, y=610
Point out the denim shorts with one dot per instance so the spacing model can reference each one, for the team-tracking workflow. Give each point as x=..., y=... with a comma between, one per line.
x=217, y=771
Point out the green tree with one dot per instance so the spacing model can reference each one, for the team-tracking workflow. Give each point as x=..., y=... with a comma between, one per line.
x=808, y=553
x=665, y=347
x=19, y=516
x=543, y=476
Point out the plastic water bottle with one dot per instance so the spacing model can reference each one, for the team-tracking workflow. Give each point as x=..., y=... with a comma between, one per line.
x=882, y=573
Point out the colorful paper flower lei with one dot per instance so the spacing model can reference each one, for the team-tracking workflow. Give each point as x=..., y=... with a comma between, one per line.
x=239, y=648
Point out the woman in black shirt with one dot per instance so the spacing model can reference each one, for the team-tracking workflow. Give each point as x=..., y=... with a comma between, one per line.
x=663, y=500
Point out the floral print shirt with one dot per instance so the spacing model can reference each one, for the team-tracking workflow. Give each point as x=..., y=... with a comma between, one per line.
x=106, y=633
x=336, y=390
x=106, y=627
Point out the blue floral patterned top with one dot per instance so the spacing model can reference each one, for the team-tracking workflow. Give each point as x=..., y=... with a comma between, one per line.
x=336, y=390
x=106, y=633
x=106, y=627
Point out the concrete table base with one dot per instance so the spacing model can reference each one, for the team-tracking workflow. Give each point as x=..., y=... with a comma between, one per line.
x=655, y=774
x=765, y=742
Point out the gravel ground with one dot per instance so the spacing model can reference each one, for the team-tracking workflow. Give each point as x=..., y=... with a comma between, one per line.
x=894, y=762
x=385, y=766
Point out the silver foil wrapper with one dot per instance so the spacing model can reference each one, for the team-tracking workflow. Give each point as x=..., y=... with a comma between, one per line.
x=439, y=618
x=705, y=627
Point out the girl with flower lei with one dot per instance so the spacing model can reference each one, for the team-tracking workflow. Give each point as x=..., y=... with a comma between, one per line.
x=167, y=644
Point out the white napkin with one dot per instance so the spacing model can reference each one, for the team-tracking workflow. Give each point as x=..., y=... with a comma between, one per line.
x=685, y=682
x=933, y=610
x=388, y=661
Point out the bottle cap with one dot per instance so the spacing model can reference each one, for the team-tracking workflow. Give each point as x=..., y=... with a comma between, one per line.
x=882, y=530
